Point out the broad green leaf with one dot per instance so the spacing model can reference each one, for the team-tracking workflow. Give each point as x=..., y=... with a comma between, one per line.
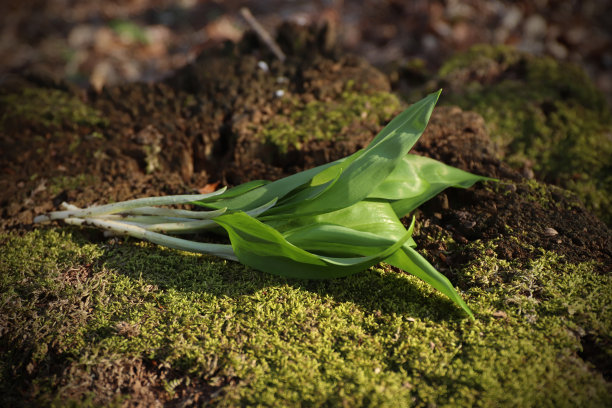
x=334, y=171
x=375, y=217
x=334, y=239
x=411, y=261
x=416, y=116
x=238, y=200
x=337, y=240
x=372, y=166
x=262, y=247
x=360, y=173
x=263, y=193
x=307, y=192
x=416, y=179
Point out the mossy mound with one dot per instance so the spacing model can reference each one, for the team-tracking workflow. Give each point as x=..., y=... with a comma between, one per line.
x=49, y=108
x=162, y=325
x=546, y=115
x=325, y=120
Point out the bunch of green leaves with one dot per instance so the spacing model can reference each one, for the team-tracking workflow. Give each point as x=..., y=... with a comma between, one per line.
x=327, y=222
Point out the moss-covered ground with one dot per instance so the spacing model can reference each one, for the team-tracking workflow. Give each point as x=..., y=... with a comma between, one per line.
x=324, y=120
x=545, y=114
x=50, y=108
x=379, y=338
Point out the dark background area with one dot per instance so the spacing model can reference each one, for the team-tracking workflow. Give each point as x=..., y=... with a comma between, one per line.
x=104, y=43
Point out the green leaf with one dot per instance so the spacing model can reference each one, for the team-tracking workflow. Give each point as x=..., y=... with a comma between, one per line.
x=368, y=216
x=262, y=193
x=330, y=221
x=337, y=240
x=411, y=261
x=416, y=179
x=355, y=176
x=416, y=116
x=374, y=165
x=262, y=247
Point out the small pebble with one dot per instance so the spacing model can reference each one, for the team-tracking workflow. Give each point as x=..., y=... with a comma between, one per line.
x=512, y=18
x=263, y=65
x=535, y=26
x=550, y=232
x=557, y=49
x=443, y=201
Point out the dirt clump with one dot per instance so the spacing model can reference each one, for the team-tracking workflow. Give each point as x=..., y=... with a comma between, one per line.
x=204, y=124
x=522, y=214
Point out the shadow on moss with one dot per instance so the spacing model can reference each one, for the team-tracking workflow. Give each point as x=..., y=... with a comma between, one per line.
x=379, y=338
x=394, y=292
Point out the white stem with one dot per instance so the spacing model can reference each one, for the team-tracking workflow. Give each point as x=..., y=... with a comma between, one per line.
x=220, y=250
x=140, y=219
x=182, y=227
x=188, y=226
x=67, y=206
x=125, y=206
x=168, y=212
x=137, y=218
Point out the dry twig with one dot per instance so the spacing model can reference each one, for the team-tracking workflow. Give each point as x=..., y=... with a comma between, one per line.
x=262, y=33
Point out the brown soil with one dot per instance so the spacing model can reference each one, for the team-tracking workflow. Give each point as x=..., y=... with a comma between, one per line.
x=197, y=127
x=543, y=216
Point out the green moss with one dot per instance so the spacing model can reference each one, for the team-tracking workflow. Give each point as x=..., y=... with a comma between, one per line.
x=46, y=288
x=61, y=183
x=546, y=114
x=546, y=195
x=48, y=107
x=479, y=59
x=380, y=338
x=322, y=120
x=129, y=31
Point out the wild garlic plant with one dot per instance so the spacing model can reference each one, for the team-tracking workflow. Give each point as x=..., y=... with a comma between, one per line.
x=330, y=221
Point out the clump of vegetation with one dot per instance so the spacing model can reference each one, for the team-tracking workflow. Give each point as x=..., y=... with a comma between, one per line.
x=61, y=183
x=330, y=221
x=324, y=120
x=47, y=107
x=545, y=114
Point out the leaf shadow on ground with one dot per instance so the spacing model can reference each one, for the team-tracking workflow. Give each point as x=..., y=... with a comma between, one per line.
x=379, y=290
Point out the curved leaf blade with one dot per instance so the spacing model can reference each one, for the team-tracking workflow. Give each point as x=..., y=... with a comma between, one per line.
x=411, y=261
x=262, y=247
x=416, y=179
x=374, y=165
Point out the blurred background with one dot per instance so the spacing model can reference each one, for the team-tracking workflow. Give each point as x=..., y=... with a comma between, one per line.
x=94, y=44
